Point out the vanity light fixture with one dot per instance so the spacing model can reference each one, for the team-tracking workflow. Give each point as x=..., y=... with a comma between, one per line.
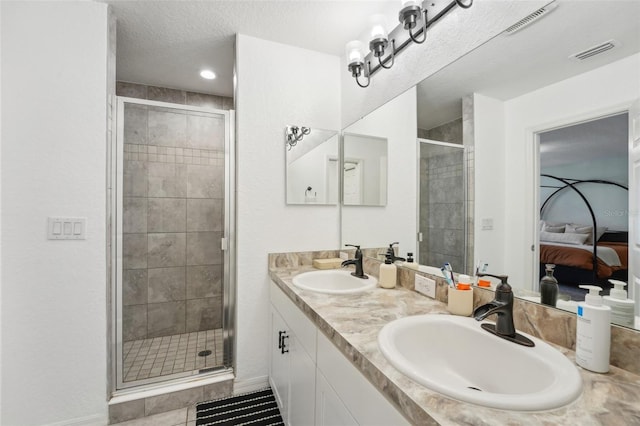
x=412, y=13
x=207, y=74
x=295, y=134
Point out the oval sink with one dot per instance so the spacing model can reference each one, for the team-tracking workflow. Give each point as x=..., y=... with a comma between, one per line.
x=333, y=281
x=456, y=357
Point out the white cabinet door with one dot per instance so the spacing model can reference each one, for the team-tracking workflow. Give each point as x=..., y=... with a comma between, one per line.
x=330, y=410
x=301, y=385
x=279, y=363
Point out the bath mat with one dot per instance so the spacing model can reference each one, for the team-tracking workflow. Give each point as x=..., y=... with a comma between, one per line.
x=256, y=409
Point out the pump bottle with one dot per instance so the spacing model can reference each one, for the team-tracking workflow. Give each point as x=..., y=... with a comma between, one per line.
x=593, y=332
x=622, y=309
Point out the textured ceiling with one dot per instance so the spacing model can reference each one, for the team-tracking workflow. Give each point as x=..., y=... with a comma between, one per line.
x=511, y=65
x=166, y=43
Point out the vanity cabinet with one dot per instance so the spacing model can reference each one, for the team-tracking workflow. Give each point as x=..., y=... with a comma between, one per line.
x=313, y=382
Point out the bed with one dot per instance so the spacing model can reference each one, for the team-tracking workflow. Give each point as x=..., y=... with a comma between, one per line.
x=571, y=246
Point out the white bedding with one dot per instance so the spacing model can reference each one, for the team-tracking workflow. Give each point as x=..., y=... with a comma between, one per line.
x=606, y=254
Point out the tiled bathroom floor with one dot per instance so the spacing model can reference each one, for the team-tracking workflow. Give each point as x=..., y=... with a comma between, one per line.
x=161, y=356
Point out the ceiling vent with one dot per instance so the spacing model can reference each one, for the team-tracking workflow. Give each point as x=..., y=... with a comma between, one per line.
x=594, y=50
x=524, y=22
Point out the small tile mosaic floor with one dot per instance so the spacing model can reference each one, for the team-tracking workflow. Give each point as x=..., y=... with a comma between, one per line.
x=161, y=356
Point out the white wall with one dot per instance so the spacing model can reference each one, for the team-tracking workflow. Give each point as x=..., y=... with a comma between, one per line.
x=54, y=80
x=271, y=79
x=595, y=93
x=379, y=226
x=461, y=31
x=490, y=202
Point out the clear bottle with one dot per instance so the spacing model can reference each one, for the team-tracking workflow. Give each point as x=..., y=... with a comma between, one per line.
x=549, y=287
x=410, y=263
x=388, y=273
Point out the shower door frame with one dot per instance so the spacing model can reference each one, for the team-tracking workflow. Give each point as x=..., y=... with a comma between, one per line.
x=116, y=178
x=465, y=196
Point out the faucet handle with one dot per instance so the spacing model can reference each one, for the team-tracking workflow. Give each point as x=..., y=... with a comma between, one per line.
x=353, y=245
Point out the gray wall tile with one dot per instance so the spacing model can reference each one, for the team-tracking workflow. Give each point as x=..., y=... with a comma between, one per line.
x=131, y=90
x=134, y=286
x=134, y=215
x=134, y=322
x=205, y=214
x=134, y=251
x=126, y=411
x=218, y=390
x=204, y=281
x=167, y=128
x=173, y=401
x=165, y=319
x=167, y=284
x=166, y=250
x=167, y=215
x=204, y=100
x=136, y=124
x=227, y=103
x=205, y=131
x=203, y=248
x=134, y=181
x=205, y=181
x=164, y=94
x=203, y=314
x=167, y=180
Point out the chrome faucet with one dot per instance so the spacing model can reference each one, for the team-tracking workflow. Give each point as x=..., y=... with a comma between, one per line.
x=502, y=306
x=392, y=253
x=357, y=261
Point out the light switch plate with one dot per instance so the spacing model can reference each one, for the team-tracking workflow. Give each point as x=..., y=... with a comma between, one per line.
x=344, y=255
x=66, y=228
x=425, y=286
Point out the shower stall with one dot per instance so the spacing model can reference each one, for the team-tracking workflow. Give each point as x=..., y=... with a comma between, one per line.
x=171, y=202
x=442, y=204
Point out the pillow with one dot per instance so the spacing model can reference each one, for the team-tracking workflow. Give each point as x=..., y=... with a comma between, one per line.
x=554, y=229
x=570, y=238
x=585, y=229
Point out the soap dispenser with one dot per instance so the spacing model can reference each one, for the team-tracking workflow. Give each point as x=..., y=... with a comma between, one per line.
x=388, y=273
x=593, y=332
x=410, y=263
x=549, y=287
x=622, y=309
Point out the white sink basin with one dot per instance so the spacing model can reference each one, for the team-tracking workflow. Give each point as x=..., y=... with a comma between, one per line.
x=333, y=281
x=454, y=356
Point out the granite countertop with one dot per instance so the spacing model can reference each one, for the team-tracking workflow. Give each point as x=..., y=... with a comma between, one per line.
x=352, y=323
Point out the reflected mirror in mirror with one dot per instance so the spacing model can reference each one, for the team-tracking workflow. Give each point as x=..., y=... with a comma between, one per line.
x=364, y=178
x=312, y=158
x=509, y=92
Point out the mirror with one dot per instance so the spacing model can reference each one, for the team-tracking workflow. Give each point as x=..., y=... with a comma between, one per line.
x=364, y=174
x=507, y=93
x=312, y=158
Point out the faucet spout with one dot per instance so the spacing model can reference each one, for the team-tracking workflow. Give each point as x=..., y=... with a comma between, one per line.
x=482, y=312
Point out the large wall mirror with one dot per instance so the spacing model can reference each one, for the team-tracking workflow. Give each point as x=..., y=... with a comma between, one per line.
x=312, y=165
x=508, y=104
x=364, y=174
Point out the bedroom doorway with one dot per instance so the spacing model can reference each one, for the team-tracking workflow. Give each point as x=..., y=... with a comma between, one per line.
x=583, y=202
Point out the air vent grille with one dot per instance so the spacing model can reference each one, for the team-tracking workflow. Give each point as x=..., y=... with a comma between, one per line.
x=524, y=22
x=594, y=50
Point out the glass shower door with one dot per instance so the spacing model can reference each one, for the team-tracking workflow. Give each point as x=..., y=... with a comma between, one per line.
x=171, y=269
x=442, y=204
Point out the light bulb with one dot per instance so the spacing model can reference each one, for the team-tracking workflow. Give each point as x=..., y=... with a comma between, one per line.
x=353, y=51
x=406, y=3
x=378, y=27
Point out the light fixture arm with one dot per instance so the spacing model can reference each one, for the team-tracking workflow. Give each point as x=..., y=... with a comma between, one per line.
x=393, y=54
x=463, y=4
x=423, y=18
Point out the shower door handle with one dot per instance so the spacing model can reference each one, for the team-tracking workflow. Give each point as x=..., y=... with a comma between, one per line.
x=224, y=244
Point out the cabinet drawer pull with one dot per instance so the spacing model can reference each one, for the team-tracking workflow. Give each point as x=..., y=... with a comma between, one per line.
x=281, y=344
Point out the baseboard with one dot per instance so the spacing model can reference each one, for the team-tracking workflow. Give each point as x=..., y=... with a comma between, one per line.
x=250, y=385
x=94, y=420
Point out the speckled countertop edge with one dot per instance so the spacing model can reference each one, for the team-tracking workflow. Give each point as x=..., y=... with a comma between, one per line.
x=352, y=323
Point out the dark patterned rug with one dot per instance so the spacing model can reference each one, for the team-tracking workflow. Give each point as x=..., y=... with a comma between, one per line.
x=256, y=409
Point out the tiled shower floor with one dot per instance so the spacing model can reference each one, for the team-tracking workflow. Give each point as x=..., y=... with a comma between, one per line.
x=161, y=356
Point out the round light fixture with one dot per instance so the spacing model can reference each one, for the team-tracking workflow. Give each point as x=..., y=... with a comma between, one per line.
x=208, y=74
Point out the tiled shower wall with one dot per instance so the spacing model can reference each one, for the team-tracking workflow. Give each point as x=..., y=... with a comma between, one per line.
x=173, y=214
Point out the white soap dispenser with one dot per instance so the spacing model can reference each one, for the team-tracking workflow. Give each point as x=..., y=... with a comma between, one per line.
x=593, y=332
x=622, y=309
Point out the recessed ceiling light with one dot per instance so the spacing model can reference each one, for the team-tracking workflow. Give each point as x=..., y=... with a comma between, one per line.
x=208, y=74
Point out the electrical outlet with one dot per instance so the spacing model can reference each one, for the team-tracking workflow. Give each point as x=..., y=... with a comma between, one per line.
x=344, y=255
x=425, y=285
